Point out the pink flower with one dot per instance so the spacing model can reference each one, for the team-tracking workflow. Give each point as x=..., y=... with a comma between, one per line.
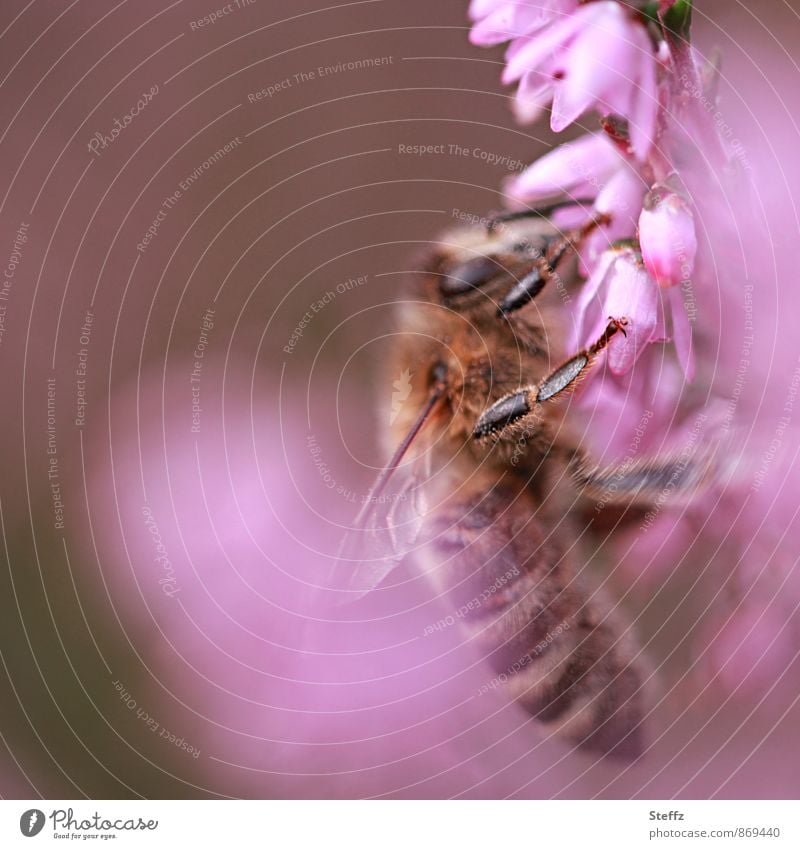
x=590, y=168
x=621, y=287
x=621, y=284
x=600, y=56
x=578, y=169
x=500, y=20
x=667, y=237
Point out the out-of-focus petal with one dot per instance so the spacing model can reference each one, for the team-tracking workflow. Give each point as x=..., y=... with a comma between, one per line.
x=586, y=163
x=481, y=8
x=495, y=28
x=534, y=93
x=622, y=199
x=530, y=52
x=755, y=646
x=643, y=116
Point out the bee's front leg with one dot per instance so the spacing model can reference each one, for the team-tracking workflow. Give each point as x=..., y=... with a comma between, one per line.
x=524, y=401
x=529, y=286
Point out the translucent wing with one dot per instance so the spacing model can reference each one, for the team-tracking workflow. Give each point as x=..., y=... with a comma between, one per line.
x=389, y=524
x=387, y=529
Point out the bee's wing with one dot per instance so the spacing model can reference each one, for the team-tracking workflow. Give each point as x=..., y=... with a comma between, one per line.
x=387, y=529
x=389, y=523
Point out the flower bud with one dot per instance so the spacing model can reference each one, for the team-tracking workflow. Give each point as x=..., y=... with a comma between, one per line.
x=667, y=237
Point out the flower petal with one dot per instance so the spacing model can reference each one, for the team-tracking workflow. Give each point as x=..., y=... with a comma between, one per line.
x=534, y=92
x=529, y=52
x=667, y=236
x=585, y=164
x=587, y=327
x=599, y=68
x=632, y=295
x=643, y=117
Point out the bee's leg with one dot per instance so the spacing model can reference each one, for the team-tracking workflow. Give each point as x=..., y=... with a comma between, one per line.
x=522, y=402
x=644, y=483
x=538, y=212
x=526, y=289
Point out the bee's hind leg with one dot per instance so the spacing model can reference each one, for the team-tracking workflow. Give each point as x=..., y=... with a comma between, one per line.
x=524, y=401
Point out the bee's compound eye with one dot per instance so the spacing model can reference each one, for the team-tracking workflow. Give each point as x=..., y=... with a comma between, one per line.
x=438, y=373
x=468, y=276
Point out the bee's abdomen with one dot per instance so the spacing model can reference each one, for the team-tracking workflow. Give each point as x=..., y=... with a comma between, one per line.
x=553, y=645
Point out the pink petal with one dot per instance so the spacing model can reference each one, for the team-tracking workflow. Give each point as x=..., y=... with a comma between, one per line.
x=534, y=92
x=644, y=114
x=587, y=330
x=481, y=8
x=585, y=163
x=528, y=53
x=622, y=198
x=599, y=68
x=495, y=28
x=632, y=295
x=668, y=239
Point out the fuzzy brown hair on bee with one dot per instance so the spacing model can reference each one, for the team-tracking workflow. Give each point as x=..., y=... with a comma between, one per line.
x=489, y=479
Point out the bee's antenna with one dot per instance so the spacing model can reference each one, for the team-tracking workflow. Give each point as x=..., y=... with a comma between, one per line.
x=436, y=393
x=536, y=212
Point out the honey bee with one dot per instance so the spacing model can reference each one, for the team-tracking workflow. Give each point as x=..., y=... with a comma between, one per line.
x=489, y=486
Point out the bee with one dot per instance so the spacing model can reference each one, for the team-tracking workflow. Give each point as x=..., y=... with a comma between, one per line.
x=489, y=485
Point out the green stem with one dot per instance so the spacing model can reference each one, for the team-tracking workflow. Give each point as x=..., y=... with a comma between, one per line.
x=677, y=20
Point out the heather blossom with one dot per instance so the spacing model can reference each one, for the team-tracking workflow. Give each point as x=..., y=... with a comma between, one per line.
x=667, y=237
x=592, y=169
x=657, y=166
x=576, y=57
x=497, y=21
x=621, y=60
